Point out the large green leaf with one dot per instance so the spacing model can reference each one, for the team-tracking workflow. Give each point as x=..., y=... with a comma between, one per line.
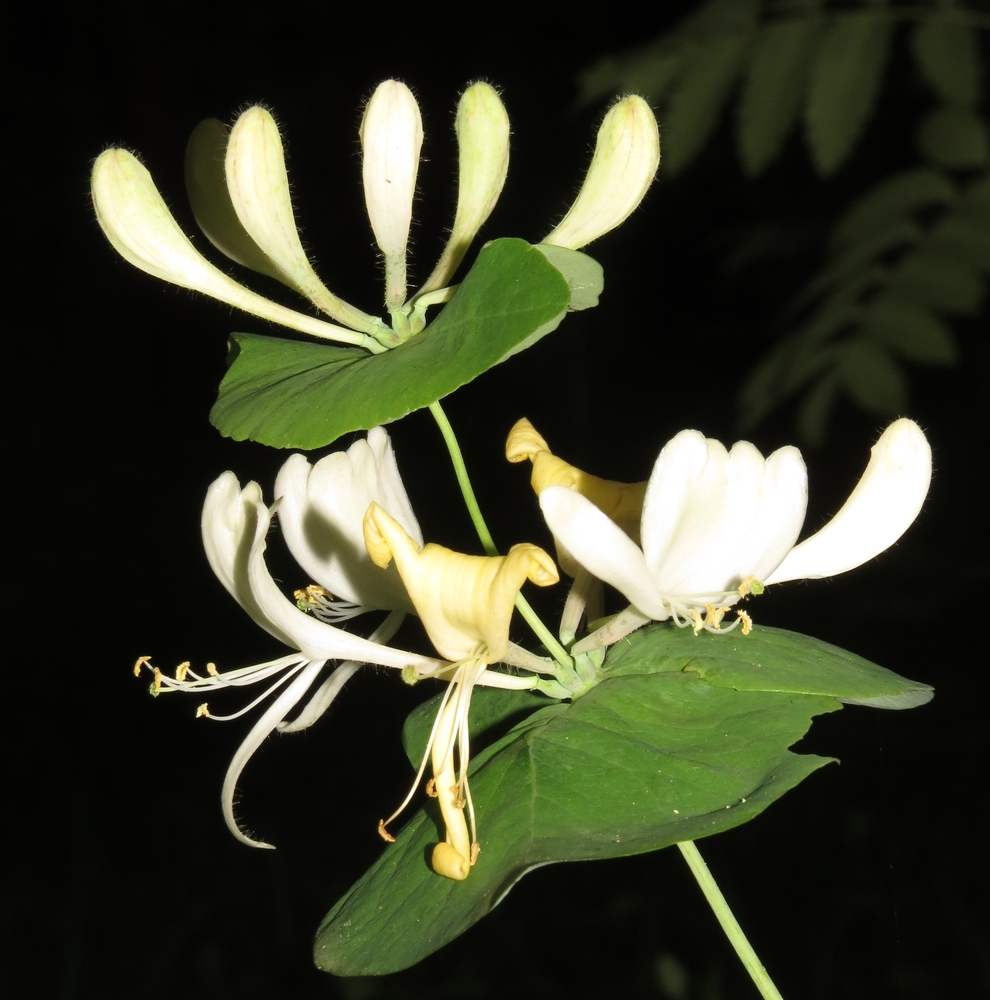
x=291, y=394
x=845, y=85
x=684, y=737
x=948, y=56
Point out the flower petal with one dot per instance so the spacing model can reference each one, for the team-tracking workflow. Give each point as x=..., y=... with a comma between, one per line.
x=602, y=547
x=321, y=510
x=879, y=510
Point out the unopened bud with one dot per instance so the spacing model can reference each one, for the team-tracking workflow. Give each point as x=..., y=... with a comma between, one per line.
x=482, y=128
x=391, y=140
x=626, y=159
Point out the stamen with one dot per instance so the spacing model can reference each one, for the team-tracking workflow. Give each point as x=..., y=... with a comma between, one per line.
x=475, y=851
x=384, y=834
x=698, y=622
x=157, y=683
x=211, y=669
x=747, y=622
x=139, y=663
x=431, y=788
x=181, y=670
x=203, y=711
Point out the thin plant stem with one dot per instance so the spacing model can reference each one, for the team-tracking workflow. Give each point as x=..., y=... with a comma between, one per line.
x=488, y=543
x=755, y=968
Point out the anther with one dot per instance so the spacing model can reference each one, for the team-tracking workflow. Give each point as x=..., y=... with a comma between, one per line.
x=203, y=711
x=431, y=788
x=139, y=663
x=384, y=834
x=475, y=851
x=157, y=683
x=211, y=669
x=747, y=622
x=181, y=670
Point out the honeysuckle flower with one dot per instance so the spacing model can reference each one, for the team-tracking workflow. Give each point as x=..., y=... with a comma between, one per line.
x=719, y=524
x=625, y=162
x=391, y=140
x=465, y=603
x=235, y=523
x=321, y=511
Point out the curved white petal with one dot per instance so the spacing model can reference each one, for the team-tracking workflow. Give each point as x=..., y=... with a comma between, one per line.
x=879, y=510
x=602, y=547
x=322, y=509
x=259, y=733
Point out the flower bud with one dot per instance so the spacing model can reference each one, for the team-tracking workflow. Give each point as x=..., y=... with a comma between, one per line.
x=259, y=191
x=391, y=140
x=482, y=128
x=137, y=222
x=627, y=155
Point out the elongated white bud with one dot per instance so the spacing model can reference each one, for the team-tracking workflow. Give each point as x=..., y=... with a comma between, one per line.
x=391, y=140
x=259, y=191
x=482, y=127
x=137, y=222
x=627, y=155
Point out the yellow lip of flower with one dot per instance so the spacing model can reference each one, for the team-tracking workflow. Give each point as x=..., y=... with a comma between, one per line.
x=621, y=502
x=465, y=603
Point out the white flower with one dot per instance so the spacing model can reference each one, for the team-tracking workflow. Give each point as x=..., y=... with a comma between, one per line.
x=717, y=524
x=321, y=510
x=235, y=523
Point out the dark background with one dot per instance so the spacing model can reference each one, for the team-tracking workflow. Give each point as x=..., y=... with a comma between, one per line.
x=122, y=881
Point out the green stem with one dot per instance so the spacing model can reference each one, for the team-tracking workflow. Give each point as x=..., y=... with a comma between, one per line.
x=730, y=925
x=488, y=543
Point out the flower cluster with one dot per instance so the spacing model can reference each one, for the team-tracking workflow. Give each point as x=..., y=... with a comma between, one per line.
x=245, y=209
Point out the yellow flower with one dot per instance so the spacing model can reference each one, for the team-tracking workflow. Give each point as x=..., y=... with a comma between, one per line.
x=465, y=603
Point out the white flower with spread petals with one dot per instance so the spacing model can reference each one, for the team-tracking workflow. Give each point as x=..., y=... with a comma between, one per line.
x=717, y=524
x=235, y=523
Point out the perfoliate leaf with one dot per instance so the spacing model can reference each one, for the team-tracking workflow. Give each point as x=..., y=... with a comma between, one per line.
x=583, y=274
x=873, y=379
x=893, y=201
x=845, y=85
x=774, y=90
x=697, y=101
x=910, y=330
x=206, y=187
x=685, y=737
x=948, y=57
x=954, y=138
x=299, y=395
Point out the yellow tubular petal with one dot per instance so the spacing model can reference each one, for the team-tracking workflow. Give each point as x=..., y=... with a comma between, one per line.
x=259, y=190
x=482, y=128
x=622, y=169
x=452, y=858
x=622, y=502
x=465, y=602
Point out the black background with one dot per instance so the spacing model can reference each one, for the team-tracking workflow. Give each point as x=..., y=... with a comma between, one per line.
x=867, y=881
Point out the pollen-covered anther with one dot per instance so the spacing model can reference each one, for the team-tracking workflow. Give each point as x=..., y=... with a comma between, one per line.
x=431, y=788
x=156, y=684
x=459, y=801
x=211, y=669
x=384, y=834
x=475, y=851
x=181, y=670
x=747, y=622
x=697, y=622
x=139, y=663
x=203, y=712
x=312, y=594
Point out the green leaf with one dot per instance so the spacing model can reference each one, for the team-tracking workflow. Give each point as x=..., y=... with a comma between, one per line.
x=954, y=138
x=873, y=379
x=649, y=71
x=206, y=186
x=290, y=394
x=583, y=274
x=696, y=103
x=938, y=280
x=774, y=90
x=965, y=235
x=845, y=86
x=685, y=737
x=911, y=330
x=948, y=57
x=891, y=202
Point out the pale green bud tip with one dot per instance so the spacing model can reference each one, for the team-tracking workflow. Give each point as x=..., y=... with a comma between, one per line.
x=391, y=139
x=627, y=155
x=137, y=222
x=482, y=127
